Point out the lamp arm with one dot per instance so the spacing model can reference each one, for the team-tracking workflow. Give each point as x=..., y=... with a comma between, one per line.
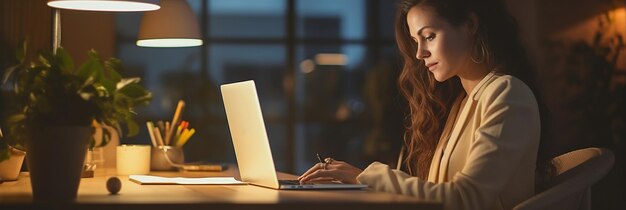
x=56, y=30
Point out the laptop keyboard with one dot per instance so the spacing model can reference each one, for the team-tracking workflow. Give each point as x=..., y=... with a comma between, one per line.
x=292, y=182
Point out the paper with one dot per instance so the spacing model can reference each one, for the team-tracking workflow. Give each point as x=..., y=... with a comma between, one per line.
x=146, y=179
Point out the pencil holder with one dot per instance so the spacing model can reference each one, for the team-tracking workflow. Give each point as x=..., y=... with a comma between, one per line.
x=159, y=162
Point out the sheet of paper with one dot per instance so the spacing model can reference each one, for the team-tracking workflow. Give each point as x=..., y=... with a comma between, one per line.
x=146, y=179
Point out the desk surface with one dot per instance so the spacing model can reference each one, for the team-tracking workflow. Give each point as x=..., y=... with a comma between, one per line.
x=92, y=193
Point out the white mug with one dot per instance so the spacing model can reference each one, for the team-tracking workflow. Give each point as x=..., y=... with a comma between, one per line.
x=133, y=159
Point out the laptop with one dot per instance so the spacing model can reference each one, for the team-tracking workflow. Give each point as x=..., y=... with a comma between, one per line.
x=251, y=143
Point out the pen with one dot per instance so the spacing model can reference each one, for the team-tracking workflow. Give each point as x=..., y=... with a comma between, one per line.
x=185, y=136
x=320, y=158
x=171, y=128
x=179, y=129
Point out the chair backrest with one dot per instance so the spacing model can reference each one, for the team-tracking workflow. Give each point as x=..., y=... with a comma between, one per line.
x=577, y=171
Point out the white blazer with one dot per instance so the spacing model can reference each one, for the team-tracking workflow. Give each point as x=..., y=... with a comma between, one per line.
x=486, y=160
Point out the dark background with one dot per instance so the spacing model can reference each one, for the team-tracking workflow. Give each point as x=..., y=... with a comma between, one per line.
x=352, y=111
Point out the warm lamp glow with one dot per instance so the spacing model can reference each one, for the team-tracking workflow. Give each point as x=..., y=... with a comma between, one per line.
x=169, y=42
x=174, y=25
x=331, y=59
x=104, y=5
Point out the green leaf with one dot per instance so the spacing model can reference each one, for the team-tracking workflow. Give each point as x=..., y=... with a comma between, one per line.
x=112, y=66
x=144, y=99
x=66, y=63
x=133, y=128
x=16, y=118
x=44, y=60
x=106, y=137
x=87, y=82
x=9, y=72
x=101, y=90
x=107, y=83
x=91, y=68
x=134, y=91
x=126, y=81
x=117, y=128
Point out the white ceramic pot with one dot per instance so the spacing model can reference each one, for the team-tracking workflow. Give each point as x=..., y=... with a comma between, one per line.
x=10, y=169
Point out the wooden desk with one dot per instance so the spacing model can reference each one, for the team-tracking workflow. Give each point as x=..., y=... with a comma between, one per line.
x=92, y=194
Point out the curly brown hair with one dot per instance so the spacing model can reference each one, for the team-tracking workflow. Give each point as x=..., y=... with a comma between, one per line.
x=430, y=101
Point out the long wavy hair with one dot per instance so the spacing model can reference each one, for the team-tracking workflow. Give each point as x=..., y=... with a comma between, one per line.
x=430, y=101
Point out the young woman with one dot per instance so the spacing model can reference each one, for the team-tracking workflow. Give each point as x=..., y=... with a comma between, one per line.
x=473, y=138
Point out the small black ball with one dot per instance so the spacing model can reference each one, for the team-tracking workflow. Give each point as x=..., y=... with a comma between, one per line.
x=114, y=185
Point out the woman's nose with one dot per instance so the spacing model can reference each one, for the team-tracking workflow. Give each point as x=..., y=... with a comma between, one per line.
x=422, y=53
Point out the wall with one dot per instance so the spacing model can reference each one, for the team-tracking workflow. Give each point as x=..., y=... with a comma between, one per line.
x=85, y=30
x=573, y=102
x=21, y=20
x=32, y=20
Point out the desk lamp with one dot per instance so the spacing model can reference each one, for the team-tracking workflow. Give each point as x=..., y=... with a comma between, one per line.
x=95, y=5
x=174, y=25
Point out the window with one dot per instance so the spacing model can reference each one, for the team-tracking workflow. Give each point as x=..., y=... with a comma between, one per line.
x=325, y=72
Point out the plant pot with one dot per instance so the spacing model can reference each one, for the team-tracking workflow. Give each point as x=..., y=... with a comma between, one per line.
x=56, y=155
x=10, y=169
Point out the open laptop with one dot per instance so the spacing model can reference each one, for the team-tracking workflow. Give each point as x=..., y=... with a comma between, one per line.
x=252, y=147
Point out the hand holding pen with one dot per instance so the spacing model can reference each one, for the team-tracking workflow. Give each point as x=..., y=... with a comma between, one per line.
x=330, y=169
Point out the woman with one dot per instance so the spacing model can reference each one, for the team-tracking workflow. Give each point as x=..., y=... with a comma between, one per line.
x=473, y=139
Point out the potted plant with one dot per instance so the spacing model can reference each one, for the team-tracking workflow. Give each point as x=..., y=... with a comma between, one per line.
x=11, y=159
x=57, y=104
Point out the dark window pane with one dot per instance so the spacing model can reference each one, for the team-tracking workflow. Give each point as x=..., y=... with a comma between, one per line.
x=277, y=137
x=387, y=12
x=344, y=19
x=164, y=72
x=263, y=63
x=346, y=110
x=247, y=19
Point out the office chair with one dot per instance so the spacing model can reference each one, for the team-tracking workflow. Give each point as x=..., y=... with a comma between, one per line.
x=577, y=171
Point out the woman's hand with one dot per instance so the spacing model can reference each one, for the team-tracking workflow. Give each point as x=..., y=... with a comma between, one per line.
x=331, y=170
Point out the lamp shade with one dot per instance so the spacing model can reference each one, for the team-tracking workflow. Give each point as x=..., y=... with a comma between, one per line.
x=174, y=25
x=106, y=5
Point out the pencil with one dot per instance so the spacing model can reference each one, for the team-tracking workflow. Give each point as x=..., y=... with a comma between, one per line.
x=179, y=130
x=161, y=125
x=166, y=132
x=179, y=110
x=157, y=133
x=150, y=126
x=185, y=137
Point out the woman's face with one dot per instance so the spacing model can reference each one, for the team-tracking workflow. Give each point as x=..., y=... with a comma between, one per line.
x=445, y=48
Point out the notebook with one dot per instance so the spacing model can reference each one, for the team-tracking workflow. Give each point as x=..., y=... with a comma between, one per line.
x=252, y=148
x=147, y=179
